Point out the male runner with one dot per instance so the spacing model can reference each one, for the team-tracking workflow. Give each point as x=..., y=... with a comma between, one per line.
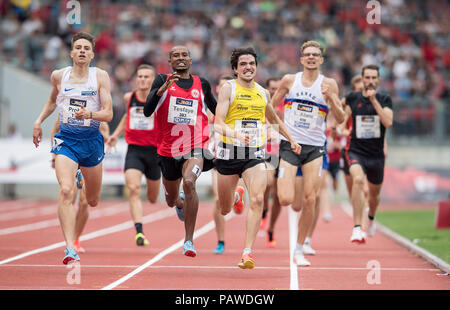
x=83, y=96
x=180, y=101
x=241, y=112
x=309, y=97
x=141, y=135
x=371, y=114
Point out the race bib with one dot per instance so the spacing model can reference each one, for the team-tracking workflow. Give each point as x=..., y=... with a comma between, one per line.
x=250, y=127
x=182, y=111
x=139, y=121
x=222, y=153
x=72, y=106
x=303, y=115
x=368, y=126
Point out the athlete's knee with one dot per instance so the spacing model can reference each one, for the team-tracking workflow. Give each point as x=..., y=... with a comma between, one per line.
x=285, y=199
x=309, y=201
x=135, y=189
x=152, y=198
x=257, y=200
x=189, y=185
x=358, y=181
x=66, y=191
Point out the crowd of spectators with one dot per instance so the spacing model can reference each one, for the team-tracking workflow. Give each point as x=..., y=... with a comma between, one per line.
x=410, y=44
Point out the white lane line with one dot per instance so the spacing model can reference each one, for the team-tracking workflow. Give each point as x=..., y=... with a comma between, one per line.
x=293, y=220
x=203, y=230
x=98, y=233
x=22, y=214
x=218, y=267
x=96, y=213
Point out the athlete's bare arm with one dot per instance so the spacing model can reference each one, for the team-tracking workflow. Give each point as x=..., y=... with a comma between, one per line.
x=104, y=90
x=49, y=106
x=283, y=89
x=104, y=130
x=112, y=140
x=330, y=91
x=386, y=114
x=273, y=118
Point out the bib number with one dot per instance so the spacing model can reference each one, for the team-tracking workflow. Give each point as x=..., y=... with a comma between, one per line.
x=138, y=121
x=368, y=126
x=182, y=111
x=253, y=128
x=303, y=116
x=70, y=108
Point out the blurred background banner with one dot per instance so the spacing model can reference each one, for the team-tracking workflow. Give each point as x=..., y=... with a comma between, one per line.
x=409, y=40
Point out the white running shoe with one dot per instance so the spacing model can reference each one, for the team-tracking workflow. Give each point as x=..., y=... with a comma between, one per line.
x=371, y=229
x=358, y=236
x=327, y=217
x=300, y=260
x=308, y=250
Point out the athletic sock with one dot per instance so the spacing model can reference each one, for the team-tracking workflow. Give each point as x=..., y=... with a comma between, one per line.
x=264, y=213
x=371, y=218
x=270, y=233
x=221, y=242
x=307, y=240
x=299, y=247
x=138, y=227
x=246, y=251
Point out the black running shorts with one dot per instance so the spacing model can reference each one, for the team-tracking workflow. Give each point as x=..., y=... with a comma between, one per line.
x=145, y=159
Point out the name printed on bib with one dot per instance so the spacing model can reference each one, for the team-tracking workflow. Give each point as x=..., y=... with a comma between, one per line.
x=70, y=108
x=251, y=127
x=182, y=111
x=368, y=126
x=303, y=115
x=139, y=121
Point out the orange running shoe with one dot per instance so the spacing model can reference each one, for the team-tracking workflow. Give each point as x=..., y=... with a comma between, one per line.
x=263, y=224
x=239, y=204
x=78, y=248
x=247, y=262
x=270, y=243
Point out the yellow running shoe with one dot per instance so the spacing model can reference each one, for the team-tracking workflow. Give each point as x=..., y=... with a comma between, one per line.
x=247, y=262
x=141, y=240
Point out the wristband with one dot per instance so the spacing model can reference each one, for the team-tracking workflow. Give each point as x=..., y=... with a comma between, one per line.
x=91, y=114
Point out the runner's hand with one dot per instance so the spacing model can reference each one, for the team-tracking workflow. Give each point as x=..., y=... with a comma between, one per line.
x=111, y=141
x=245, y=138
x=173, y=78
x=82, y=113
x=296, y=148
x=37, y=134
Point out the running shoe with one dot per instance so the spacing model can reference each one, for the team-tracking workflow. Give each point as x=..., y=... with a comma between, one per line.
x=300, y=260
x=372, y=228
x=327, y=217
x=247, y=262
x=308, y=250
x=141, y=240
x=220, y=249
x=78, y=248
x=358, y=236
x=188, y=249
x=71, y=256
x=239, y=203
x=180, y=212
x=79, y=177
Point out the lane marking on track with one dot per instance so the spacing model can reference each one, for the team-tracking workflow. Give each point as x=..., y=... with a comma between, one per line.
x=20, y=204
x=32, y=212
x=218, y=267
x=203, y=230
x=96, y=213
x=293, y=220
x=95, y=234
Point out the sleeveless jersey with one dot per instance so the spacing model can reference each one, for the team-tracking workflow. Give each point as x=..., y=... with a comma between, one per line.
x=246, y=113
x=70, y=99
x=305, y=112
x=182, y=120
x=140, y=130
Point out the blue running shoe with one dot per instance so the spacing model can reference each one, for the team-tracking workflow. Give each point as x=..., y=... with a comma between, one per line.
x=220, y=248
x=180, y=212
x=189, y=250
x=79, y=177
x=71, y=256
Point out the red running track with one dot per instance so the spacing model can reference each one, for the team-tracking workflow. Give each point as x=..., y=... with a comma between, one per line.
x=31, y=251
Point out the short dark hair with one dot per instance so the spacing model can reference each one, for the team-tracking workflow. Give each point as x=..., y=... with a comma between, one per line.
x=238, y=52
x=273, y=78
x=83, y=35
x=371, y=67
